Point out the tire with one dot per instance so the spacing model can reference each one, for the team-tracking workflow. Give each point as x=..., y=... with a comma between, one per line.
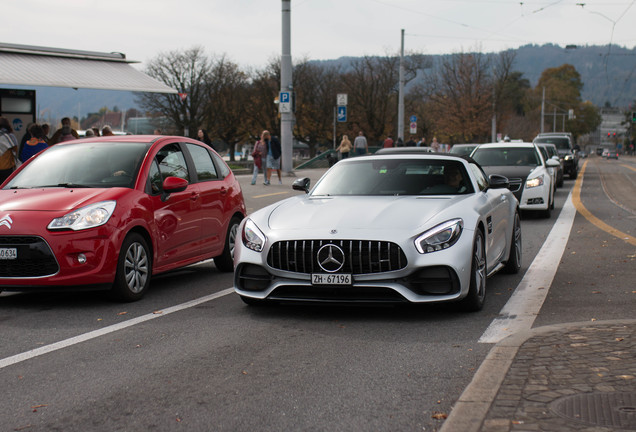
x=560, y=181
x=225, y=261
x=574, y=174
x=134, y=269
x=474, y=301
x=513, y=265
x=548, y=211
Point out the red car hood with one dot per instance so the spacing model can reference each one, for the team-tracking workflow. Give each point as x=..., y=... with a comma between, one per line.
x=53, y=199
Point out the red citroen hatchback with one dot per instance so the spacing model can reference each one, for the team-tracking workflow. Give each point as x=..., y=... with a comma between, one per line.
x=110, y=212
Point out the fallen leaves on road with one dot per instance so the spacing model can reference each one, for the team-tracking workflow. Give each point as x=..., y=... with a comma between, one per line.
x=35, y=407
x=157, y=312
x=122, y=313
x=439, y=415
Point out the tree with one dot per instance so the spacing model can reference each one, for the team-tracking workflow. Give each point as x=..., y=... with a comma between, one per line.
x=372, y=86
x=187, y=72
x=316, y=88
x=459, y=96
x=227, y=97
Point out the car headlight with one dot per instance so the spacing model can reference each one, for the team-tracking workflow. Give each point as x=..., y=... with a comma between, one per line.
x=440, y=237
x=87, y=217
x=253, y=238
x=569, y=157
x=537, y=181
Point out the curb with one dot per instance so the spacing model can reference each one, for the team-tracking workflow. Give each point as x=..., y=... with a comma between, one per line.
x=470, y=410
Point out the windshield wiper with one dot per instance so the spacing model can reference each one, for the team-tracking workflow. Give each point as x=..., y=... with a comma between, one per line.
x=67, y=185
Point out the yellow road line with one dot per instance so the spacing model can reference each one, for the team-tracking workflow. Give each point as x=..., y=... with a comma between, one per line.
x=576, y=199
x=271, y=194
x=628, y=167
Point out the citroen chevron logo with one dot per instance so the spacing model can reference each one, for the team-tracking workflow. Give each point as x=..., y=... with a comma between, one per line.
x=6, y=221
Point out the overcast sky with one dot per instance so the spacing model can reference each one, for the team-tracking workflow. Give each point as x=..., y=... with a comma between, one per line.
x=248, y=32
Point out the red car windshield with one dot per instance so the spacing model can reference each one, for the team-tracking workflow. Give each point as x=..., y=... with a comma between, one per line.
x=92, y=165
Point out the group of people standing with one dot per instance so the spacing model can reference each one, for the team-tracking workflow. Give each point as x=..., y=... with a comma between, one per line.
x=266, y=155
x=36, y=139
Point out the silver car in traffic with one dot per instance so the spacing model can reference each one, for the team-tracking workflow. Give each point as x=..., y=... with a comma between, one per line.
x=389, y=228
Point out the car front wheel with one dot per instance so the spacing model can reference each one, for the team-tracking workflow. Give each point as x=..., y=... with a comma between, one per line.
x=474, y=301
x=514, y=258
x=134, y=268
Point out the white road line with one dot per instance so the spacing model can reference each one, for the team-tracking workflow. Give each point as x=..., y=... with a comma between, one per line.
x=110, y=329
x=519, y=313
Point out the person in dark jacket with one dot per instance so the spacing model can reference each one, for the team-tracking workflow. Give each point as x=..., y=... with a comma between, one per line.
x=273, y=159
x=35, y=144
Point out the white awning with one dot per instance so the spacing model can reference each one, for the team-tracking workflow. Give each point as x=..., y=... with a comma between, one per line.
x=42, y=66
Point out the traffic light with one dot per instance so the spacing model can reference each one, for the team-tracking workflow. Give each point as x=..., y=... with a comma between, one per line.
x=609, y=134
x=633, y=116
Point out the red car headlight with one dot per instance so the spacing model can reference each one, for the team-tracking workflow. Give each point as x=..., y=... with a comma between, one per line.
x=83, y=218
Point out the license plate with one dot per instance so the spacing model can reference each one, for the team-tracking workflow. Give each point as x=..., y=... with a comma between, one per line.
x=8, y=253
x=330, y=279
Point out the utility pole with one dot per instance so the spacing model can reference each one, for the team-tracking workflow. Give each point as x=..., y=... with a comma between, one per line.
x=400, y=131
x=286, y=116
x=542, y=108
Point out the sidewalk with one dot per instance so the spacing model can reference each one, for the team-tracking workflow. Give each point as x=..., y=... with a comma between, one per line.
x=566, y=377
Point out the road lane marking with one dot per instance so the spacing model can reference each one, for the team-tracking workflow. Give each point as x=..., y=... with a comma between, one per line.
x=519, y=313
x=628, y=167
x=270, y=194
x=576, y=198
x=8, y=361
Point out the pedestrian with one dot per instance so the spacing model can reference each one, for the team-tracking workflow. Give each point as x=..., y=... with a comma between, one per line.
x=8, y=149
x=203, y=136
x=435, y=145
x=46, y=128
x=259, y=154
x=96, y=131
x=422, y=142
x=273, y=159
x=107, y=131
x=345, y=147
x=388, y=142
x=411, y=142
x=89, y=133
x=360, y=144
x=35, y=144
x=65, y=133
x=400, y=142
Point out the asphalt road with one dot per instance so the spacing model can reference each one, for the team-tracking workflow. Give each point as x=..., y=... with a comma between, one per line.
x=216, y=364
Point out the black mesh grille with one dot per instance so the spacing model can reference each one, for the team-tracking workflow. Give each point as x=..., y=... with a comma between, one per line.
x=360, y=256
x=35, y=258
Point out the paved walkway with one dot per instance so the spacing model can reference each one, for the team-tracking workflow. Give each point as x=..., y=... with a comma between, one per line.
x=567, y=377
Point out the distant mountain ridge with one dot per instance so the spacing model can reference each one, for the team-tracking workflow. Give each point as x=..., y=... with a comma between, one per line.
x=608, y=74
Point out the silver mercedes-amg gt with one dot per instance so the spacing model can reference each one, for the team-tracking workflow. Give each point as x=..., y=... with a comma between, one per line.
x=383, y=228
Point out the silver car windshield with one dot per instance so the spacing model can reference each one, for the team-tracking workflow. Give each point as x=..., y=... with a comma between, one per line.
x=395, y=177
x=90, y=165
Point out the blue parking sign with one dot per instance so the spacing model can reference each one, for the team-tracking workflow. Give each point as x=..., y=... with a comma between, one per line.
x=413, y=119
x=342, y=113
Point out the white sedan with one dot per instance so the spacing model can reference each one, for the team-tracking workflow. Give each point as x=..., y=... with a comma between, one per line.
x=412, y=228
x=526, y=170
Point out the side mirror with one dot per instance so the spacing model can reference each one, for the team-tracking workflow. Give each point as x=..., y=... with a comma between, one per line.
x=171, y=185
x=174, y=184
x=302, y=184
x=552, y=163
x=496, y=181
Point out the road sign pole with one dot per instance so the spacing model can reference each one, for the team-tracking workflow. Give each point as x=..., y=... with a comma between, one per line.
x=286, y=118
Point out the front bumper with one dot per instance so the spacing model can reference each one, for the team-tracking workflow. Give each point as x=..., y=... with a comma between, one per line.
x=434, y=277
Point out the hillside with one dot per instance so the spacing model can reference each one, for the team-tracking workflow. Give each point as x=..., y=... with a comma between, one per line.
x=608, y=75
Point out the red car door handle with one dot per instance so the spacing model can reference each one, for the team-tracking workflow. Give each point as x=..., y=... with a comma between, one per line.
x=223, y=191
x=194, y=196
